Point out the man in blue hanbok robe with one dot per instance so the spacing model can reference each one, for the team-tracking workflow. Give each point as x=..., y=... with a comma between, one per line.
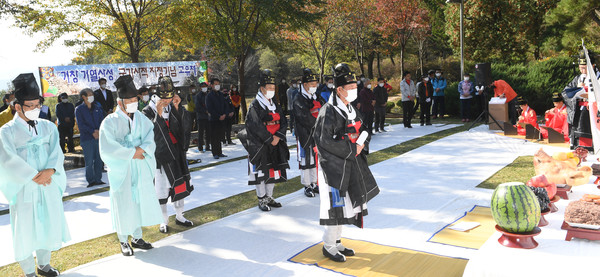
x=127, y=148
x=33, y=181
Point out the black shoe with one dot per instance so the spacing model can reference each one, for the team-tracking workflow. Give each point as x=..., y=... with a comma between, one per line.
x=428, y=124
x=422, y=124
x=273, y=203
x=126, y=249
x=163, y=229
x=308, y=191
x=346, y=251
x=141, y=244
x=187, y=223
x=409, y=126
x=216, y=157
x=92, y=184
x=315, y=188
x=338, y=257
x=231, y=143
x=263, y=204
x=101, y=183
x=383, y=130
x=50, y=272
x=222, y=155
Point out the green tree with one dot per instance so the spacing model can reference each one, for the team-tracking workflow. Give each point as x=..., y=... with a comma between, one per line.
x=124, y=26
x=571, y=21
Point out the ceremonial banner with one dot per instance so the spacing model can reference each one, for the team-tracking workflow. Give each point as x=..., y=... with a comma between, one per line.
x=73, y=78
x=593, y=98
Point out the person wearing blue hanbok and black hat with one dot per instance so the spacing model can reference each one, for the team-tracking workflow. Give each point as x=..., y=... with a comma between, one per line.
x=264, y=139
x=345, y=180
x=127, y=147
x=33, y=181
x=172, y=177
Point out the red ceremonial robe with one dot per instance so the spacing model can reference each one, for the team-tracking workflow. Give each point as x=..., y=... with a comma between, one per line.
x=529, y=117
x=556, y=118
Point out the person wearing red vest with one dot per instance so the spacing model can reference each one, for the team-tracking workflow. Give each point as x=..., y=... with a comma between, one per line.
x=306, y=109
x=264, y=139
x=556, y=118
x=172, y=176
x=503, y=90
x=528, y=116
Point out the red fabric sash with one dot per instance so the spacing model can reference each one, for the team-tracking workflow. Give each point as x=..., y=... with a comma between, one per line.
x=173, y=139
x=315, y=109
x=273, y=126
x=354, y=135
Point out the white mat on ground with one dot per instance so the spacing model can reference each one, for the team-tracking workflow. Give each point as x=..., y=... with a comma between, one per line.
x=89, y=216
x=421, y=191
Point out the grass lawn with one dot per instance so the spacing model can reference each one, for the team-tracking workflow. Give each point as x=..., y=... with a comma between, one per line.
x=101, y=247
x=521, y=170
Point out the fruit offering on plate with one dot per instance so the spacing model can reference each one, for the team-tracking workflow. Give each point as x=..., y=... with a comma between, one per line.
x=541, y=181
x=559, y=171
x=515, y=208
x=591, y=198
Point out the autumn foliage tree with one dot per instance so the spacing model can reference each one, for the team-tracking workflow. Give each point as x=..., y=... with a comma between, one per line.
x=397, y=21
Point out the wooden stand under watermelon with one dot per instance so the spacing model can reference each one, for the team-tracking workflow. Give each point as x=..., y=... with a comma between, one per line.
x=563, y=192
x=580, y=233
x=553, y=207
x=524, y=241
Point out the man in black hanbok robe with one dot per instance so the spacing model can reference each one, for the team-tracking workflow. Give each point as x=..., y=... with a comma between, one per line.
x=264, y=139
x=306, y=109
x=172, y=178
x=345, y=180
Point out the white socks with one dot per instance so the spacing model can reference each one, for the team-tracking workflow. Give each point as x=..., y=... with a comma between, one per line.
x=179, y=209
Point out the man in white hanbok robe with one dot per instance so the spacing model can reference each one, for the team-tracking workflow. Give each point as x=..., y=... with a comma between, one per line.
x=33, y=181
x=124, y=135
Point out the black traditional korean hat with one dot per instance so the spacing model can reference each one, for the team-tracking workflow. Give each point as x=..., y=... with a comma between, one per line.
x=556, y=97
x=521, y=101
x=165, y=88
x=266, y=77
x=308, y=76
x=26, y=88
x=125, y=87
x=342, y=75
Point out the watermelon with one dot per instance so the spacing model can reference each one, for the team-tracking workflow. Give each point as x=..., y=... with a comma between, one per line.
x=515, y=208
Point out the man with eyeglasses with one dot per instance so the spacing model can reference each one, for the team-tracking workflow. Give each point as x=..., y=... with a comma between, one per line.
x=33, y=180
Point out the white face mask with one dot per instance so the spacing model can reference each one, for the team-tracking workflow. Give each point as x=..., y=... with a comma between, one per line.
x=426, y=79
x=358, y=82
x=204, y=89
x=330, y=85
x=91, y=99
x=283, y=81
x=312, y=90
x=145, y=98
x=65, y=100
x=295, y=85
x=369, y=86
x=380, y=85
x=352, y=94
x=103, y=86
x=270, y=94
x=33, y=114
x=234, y=89
x=467, y=78
x=217, y=87
x=438, y=74
x=131, y=107
x=193, y=91
x=12, y=103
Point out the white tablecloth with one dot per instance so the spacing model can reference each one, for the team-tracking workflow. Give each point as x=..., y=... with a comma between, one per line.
x=553, y=257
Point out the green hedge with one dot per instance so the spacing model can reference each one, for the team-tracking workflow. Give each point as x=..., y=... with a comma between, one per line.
x=535, y=81
x=389, y=106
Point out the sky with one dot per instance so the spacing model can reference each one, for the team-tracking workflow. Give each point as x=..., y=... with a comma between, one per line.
x=18, y=55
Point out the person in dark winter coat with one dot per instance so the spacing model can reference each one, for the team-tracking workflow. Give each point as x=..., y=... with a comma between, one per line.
x=217, y=114
x=345, y=180
x=65, y=115
x=264, y=139
x=172, y=177
x=366, y=106
x=425, y=91
x=229, y=119
x=306, y=108
x=381, y=98
x=202, y=118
